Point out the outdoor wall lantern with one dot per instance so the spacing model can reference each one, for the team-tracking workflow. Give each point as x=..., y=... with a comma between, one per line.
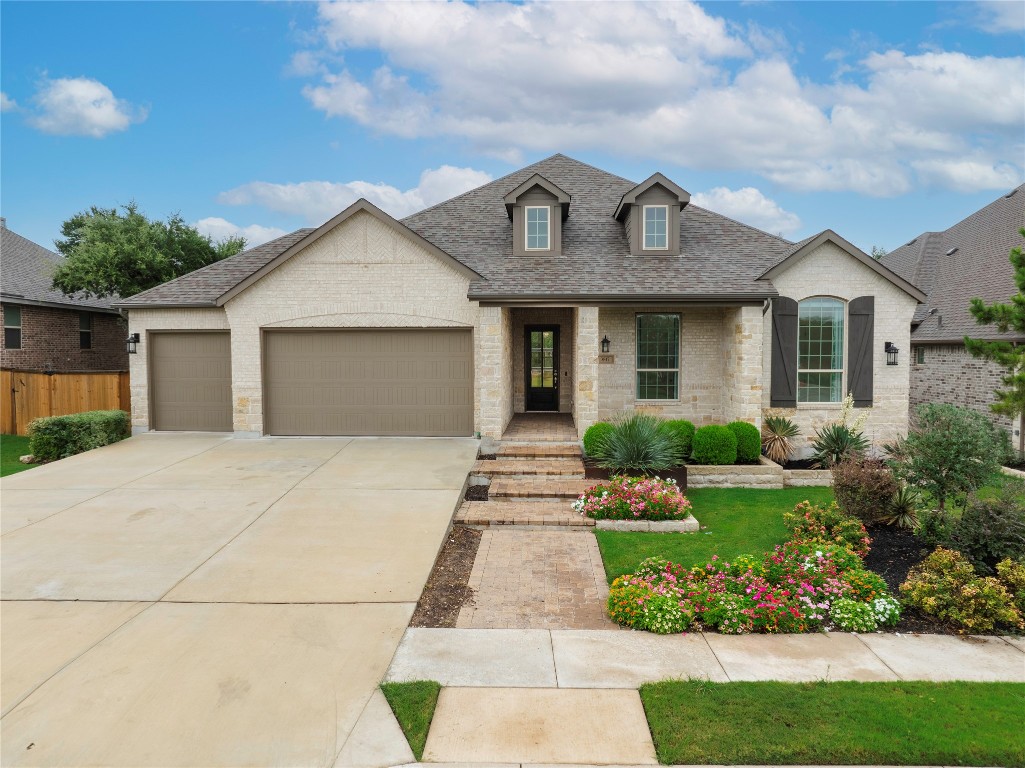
x=133, y=343
x=605, y=343
x=891, y=353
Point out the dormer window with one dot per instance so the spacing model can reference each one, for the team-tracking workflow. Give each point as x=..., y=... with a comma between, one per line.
x=656, y=227
x=538, y=227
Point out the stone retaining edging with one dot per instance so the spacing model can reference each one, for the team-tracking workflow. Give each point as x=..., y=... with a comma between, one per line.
x=764, y=474
x=652, y=526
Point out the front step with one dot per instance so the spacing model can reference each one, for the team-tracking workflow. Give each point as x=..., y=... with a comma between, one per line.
x=488, y=513
x=504, y=466
x=539, y=451
x=537, y=487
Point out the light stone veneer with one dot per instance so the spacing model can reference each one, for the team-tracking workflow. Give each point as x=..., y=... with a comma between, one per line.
x=829, y=271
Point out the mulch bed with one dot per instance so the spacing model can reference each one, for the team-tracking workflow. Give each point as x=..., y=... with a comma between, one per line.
x=801, y=464
x=446, y=590
x=477, y=492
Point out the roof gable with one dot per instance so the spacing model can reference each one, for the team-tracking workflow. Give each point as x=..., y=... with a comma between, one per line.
x=537, y=180
x=630, y=198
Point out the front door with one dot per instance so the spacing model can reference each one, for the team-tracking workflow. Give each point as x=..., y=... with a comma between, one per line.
x=542, y=367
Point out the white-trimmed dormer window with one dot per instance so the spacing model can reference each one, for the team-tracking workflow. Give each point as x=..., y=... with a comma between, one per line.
x=538, y=228
x=656, y=227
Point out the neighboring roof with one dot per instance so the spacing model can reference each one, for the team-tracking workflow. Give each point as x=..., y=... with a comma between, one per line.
x=968, y=260
x=537, y=180
x=809, y=244
x=26, y=276
x=720, y=259
x=682, y=195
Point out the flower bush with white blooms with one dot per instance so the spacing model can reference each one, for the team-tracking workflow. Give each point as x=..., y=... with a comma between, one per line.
x=634, y=498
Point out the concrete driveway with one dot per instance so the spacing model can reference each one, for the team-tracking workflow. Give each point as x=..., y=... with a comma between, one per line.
x=197, y=600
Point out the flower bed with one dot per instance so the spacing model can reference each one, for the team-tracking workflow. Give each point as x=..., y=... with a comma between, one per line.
x=634, y=498
x=814, y=581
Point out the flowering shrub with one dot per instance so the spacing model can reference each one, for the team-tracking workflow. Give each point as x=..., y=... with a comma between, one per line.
x=634, y=498
x=887, y=611
x=1012, y=575
x=853, y=615
x=828, y=525
x=667, y=615
x=865, y=586
x=945, y=585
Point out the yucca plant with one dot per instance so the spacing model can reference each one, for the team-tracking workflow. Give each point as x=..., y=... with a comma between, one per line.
x=903, y=510
x=641, y=442
x=835, y=442
x=777, y=438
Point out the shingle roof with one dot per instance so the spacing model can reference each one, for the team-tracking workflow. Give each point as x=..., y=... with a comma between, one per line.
x=26, y=275
x=720, y=257
x=979, y=267
x=204, y=286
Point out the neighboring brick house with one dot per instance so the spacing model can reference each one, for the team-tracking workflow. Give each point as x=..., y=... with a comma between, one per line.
x=969, y=260
x=45, y=330
x=560, y=287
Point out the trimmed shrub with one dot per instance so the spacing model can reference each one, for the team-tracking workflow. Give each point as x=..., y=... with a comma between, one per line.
x=864, y=488
x=715, y=444
x=683, y=431
x=595, y=437
x=57, y=437
x=991, y=530
x=749, y=441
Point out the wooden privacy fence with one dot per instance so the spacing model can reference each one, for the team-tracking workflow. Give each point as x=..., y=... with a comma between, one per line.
x=26, y=395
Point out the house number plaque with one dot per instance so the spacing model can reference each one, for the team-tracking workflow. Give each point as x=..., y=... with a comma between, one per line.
x=606, y=358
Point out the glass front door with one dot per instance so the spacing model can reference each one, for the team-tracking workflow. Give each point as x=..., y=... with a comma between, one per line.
x=542, y=357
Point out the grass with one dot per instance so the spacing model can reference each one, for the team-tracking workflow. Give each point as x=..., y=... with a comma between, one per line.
x=840, y=723
x=12, y=447
x=413, y=704
x=735, y=521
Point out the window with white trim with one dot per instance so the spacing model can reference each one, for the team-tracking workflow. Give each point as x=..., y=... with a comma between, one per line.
x=656, y=227
x=658, y=357
x=820, y=350
x=12, y=327
x=538, y=235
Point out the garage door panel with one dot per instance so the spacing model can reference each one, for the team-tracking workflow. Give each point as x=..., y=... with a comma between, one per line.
x=369, y=382
x=191, y=381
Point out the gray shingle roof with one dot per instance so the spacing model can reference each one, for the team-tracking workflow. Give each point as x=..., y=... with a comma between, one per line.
x=978, y=268
x=720, y=257
x=26, y=275
x=204, y=286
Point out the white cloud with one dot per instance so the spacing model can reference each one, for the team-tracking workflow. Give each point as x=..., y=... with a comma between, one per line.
x=749, y=206
x=999, y=16
x=7, y=104
x=318, y=201
x=668, y=82
x=80, y=106
x=219, y=229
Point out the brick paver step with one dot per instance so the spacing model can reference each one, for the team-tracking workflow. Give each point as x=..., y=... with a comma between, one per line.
x=555, y=513
x=539, y=451
x=538, y=487
x=533, y=467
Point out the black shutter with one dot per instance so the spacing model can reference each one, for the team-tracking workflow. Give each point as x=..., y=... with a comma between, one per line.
x=783, y=392
x=861, y=326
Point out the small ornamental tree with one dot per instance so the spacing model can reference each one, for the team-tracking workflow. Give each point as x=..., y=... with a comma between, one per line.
x=949, y=452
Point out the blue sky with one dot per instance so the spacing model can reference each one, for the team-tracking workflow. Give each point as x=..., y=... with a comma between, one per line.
x=877, y=119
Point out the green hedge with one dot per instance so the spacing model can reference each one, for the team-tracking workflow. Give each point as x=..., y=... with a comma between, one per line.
x=683, y=431
x=749, y=441
x=595, y=437
x=715, y=444
x=57, y=437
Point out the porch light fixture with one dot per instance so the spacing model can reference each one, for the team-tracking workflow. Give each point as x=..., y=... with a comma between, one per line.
x=132, y=343
x=605, y=344
x=891, y=353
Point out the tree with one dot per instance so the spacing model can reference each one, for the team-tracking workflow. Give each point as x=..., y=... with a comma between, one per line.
x=878, y=252
x=1006, y=317
x=107, y=252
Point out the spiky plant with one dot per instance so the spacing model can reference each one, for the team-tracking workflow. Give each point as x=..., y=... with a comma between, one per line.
x=641, y=442
x=836, y=442
x=903, y=510
x=777, y=438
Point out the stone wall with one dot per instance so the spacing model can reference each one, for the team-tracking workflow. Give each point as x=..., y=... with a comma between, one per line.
x=586, y=346
x=494, y=362
x=563, y=318
x=742, y=365
x=50, y=342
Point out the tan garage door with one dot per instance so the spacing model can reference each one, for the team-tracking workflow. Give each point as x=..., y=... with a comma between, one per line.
x=190, y=381
x=369, y=382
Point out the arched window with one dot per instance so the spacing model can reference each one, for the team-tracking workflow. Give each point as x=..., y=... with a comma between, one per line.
x=820, y=350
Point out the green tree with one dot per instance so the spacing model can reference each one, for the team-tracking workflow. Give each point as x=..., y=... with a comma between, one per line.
x=878, y=252
x=109, y=252
x=1006, y=317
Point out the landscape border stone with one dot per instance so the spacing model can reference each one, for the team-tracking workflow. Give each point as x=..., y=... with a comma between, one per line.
x=653, y=526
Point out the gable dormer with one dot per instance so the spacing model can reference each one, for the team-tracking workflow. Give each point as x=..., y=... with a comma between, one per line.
x=537, y=208
x=651, y=214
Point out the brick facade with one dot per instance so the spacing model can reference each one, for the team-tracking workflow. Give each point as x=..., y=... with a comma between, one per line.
x=50, y=342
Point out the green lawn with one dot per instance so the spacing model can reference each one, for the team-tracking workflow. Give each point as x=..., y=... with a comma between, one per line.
x=11, y=448
x=841, y=723
x=734, y=521
x=413, y=704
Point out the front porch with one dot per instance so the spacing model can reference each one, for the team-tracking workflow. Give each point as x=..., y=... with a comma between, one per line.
x=541, y=427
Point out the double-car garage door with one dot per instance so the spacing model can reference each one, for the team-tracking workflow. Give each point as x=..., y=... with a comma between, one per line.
x=322, y=382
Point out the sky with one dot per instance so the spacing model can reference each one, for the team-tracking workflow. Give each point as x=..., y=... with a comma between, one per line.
x=879, y=120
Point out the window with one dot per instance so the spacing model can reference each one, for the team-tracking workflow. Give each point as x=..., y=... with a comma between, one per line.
x=537, y=228
x=656, y=227
x=12, y=327
x=820, y=351
x=85, y=331
x=920, y=355
x=658, y=357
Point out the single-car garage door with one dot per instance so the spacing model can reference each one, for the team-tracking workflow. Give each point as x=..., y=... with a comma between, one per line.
x=369, y=382
x=190, y=381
